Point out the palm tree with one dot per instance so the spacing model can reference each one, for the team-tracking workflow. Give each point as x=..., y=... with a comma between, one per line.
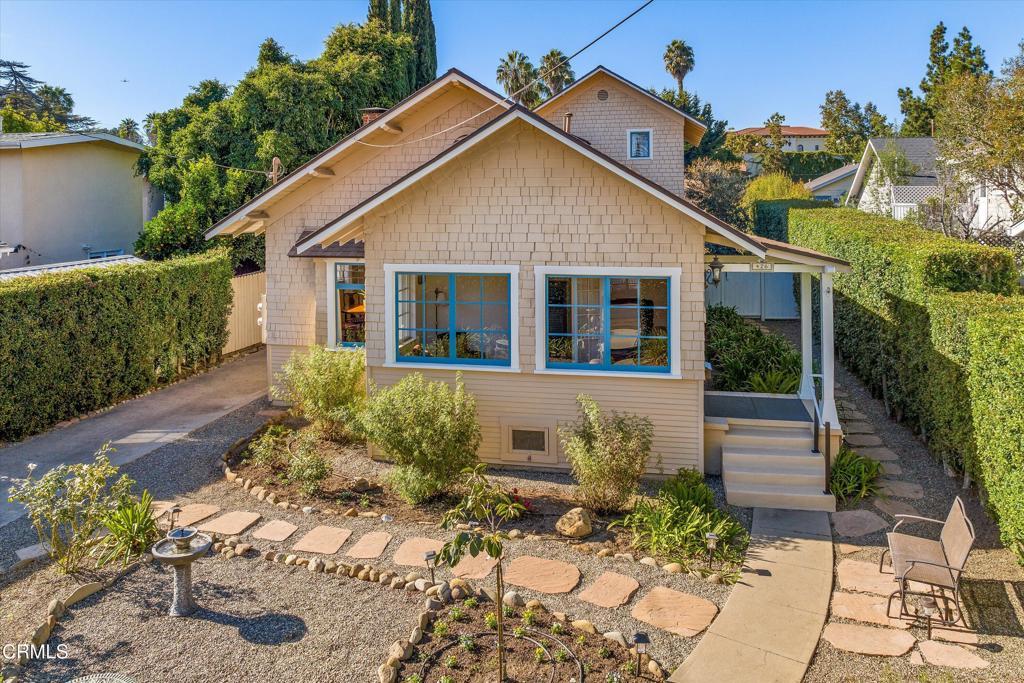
x=129, y=130
x=149, y=126
x=555, y=72
x=679, y=61
x=516, y=75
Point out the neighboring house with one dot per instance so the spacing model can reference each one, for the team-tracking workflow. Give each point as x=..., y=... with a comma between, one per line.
x=834, y=185
x=543, y=255
x=69, y=196
x=797, y=138
x=35, y=271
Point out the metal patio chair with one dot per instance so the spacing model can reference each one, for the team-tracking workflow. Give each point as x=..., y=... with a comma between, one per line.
x=939, y=564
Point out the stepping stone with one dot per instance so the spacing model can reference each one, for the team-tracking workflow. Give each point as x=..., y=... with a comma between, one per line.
x=895, y=507
x=847, y=548
x=32, y=552
x=278, y=530
x=856, y=440
x=610, y=590
x=542, y=575
x=954, y=635
x=952, y=656
x=916, y=659
x=853, y=523
x=868, y=640
x=231, y=524
x=858, y=428
x=195, y=512
x=679, y=613
x=854, y=415
x=370, y=546
x=474, y=567
x=891, y=468
x=325, y=540
x=410, y=553
x=159, y=507
x=881, y=454
x=901, y=489
x=867, y=608
x=864, y=577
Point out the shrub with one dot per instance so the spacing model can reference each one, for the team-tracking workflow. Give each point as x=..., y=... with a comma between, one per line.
x=327, y=387
x=775, y=382
x=804, y=166
x=853, y=476
x=739, y=351
x=307, y=466
x=608, y=454
x=84, y=339
x=675, y=524
x=996, y=383
x=772, y=186
x=131, y=530
x=428, y=428
x=270, y=449
x=771, y=217
x=69, y=504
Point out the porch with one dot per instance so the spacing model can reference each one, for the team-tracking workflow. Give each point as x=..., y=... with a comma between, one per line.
x=775, y=450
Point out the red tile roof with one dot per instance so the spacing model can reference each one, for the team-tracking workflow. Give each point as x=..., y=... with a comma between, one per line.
x=794, y=131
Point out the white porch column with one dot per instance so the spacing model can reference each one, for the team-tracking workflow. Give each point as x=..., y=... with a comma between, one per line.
x=806, y=339
x=828, y=373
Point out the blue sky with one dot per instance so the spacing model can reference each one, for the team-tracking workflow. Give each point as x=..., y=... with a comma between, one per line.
x=753, y=58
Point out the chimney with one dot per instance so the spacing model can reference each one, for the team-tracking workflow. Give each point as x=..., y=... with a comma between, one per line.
x=567, y=122
x=371, y=114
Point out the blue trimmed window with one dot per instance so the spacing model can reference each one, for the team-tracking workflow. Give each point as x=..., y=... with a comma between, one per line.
x=460, y=318
x=350, y=298
x=610, y=323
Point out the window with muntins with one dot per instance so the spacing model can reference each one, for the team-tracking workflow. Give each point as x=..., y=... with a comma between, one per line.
x=606, y=323
x=350, y=300
x=453, y=318
x=639, y=144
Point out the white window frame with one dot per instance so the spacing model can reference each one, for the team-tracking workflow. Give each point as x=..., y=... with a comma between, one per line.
x=674, y=276
x=332, y=304
x=629, y=144
x=390, y=352
x=104, y=253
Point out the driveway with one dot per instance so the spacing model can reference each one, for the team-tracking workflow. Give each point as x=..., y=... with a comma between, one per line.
x=139, y=426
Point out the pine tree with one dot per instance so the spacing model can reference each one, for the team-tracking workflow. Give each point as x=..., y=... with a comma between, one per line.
x=419, y=23
x=378, y=10
x=395, y=16
x=17, y=87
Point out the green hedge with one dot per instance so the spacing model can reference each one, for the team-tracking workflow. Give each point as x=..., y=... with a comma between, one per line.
x=996, y=384
x=905, y=319
x=80, y=340
x=771, y=218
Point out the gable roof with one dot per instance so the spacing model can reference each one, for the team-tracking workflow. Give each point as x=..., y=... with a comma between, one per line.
x=340, y=230
x=29, y=140
x=691, y=123
x=921, y=152
x=831, y=176
x=788, y=131
x=303, y=172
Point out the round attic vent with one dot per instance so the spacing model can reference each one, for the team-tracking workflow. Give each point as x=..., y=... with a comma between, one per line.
x=602, y=95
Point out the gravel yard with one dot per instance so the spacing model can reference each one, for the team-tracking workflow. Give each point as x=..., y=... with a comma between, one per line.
x=266, y=620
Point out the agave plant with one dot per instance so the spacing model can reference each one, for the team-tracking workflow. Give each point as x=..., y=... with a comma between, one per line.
x=131, y=531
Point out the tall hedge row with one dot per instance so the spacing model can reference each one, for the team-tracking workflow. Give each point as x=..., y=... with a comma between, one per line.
x=904, y=323
x=80, y=340
x=771, y=218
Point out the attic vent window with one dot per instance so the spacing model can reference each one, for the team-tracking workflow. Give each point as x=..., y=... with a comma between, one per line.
x=602, y=95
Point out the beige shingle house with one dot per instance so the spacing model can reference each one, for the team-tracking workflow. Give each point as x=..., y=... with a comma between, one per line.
x=542, y=254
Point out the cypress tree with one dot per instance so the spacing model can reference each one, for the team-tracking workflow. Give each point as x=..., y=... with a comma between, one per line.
x=378, y=10
x=420, y=25
x=395, y=16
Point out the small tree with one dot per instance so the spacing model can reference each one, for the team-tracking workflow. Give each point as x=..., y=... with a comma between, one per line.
x=68, y=504
x=717, y=187
x=772, y=186
x=491, y=506
x=608, y=454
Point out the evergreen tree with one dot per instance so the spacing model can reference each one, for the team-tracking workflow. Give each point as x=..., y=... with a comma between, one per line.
x=849, y=126
x=712, y=144
x=419, y=23
x=17, y=88
x=129, y=130
x=395, y=16
x=555, y=72
x=679, y=61
x=516, y=74
x=378, y=10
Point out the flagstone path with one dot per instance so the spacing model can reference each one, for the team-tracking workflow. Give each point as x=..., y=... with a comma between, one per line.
x=324, y=540
x=613, y=590
x=370, y=546
x=230, y=524
x=410, y=553
x=277, y=530
x=542, y=575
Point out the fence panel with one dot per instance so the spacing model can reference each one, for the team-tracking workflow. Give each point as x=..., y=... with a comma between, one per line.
x=243, y=327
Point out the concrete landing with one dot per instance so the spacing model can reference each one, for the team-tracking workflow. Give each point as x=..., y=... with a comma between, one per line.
x=770, y=626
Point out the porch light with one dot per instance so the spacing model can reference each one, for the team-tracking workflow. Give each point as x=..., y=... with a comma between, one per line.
x=714, y=274
x=640, y=641
x=428, y=558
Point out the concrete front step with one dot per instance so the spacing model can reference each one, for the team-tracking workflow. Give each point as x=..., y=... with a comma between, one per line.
x=799, y=438
x=759, y=474
x=782, y=459
x=787, y=497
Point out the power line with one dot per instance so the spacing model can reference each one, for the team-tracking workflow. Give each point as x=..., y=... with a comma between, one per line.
x=511, y=98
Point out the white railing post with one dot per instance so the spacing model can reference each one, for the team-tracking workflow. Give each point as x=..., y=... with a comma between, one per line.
x=828, y=373
x=806, y=339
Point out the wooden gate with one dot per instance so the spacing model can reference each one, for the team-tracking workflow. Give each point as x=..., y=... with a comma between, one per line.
x=244, y=329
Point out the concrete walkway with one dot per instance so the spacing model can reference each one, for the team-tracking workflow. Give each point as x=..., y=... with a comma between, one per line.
x=138, y=426
x=769, y=628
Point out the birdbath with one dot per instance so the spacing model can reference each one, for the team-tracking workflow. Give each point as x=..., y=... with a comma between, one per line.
x=179, y=550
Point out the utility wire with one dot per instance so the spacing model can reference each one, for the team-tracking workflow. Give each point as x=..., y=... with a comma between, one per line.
x=512, y=98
